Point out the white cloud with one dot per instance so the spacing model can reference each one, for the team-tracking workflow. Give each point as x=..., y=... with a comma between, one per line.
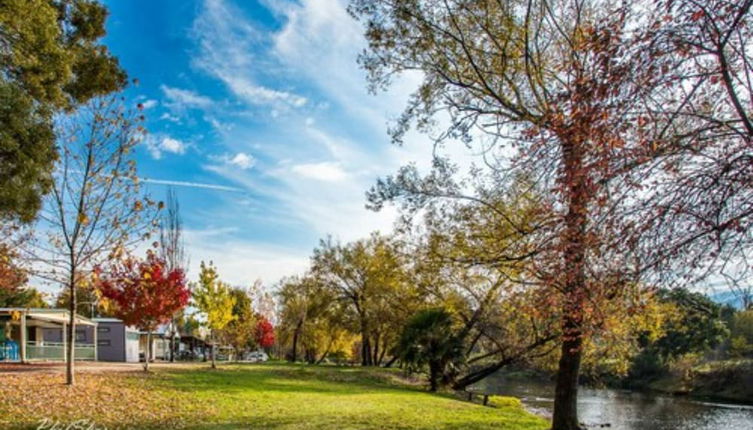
x=179, y=98
x=174, y=146
x=168, y=117
x=241, y=160
x=148, y=104
x=325, y=171
x=258, y=95
x=157, y=145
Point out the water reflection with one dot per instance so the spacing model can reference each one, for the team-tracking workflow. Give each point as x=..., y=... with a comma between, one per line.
x=627, y=410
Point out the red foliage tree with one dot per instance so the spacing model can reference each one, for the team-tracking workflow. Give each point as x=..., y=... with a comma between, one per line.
x=146, y=293
x=264, y=333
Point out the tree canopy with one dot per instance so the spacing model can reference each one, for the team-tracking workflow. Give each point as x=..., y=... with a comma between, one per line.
x=51, y=59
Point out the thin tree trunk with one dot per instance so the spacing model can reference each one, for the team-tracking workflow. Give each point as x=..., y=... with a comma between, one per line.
x=70, y=377
x=294, y=353
x=214, y=359
x=326, y=351
x=148, y=352
x=172, y=346
x=375, y=354
x=434, y=372
x=381, y=356
x=391, y=362
x=365, y=343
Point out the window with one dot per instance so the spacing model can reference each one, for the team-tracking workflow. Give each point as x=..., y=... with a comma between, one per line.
x=103, y=342
x=103, y=329
x=80, y=335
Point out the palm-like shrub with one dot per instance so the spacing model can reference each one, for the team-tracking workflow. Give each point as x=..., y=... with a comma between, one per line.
x=430, y=342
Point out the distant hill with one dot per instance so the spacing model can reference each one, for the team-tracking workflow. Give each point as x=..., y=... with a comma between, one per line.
x=726, y=298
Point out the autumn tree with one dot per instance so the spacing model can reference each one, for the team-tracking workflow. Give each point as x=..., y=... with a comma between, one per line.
x=305, y=302
x=365, y=274
x=702, y=203
x=552, y=89
x=214, y=299
x=146, y=292
x=96, y=210
x=240, y=332
x=51, y=60
x=264, y=333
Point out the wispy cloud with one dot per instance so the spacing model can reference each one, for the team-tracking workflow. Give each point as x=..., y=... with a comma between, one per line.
x=178, y=98
x=326, y=171
x=226, y=46
x=192, y=185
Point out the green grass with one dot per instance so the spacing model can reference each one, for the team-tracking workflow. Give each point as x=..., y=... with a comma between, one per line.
x=283, y=396
x=278, y=396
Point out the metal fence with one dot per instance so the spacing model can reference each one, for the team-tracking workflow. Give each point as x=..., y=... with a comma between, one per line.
x=56, y=351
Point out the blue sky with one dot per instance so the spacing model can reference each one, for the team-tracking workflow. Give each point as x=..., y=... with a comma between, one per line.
x=259, y=113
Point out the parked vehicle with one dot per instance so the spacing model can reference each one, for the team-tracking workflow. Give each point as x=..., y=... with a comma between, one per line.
x=256, y=357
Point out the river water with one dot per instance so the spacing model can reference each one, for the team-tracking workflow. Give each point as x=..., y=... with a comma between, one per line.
x=627, y=410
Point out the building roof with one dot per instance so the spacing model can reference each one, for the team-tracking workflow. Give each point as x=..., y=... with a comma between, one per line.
x=59, y=316
x=107, y=320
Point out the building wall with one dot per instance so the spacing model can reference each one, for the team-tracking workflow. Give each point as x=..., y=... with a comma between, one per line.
x=84, y=334
x=132, y=346
x=111, y=341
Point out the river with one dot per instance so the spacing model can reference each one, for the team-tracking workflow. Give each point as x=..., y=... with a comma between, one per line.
x=628, y=410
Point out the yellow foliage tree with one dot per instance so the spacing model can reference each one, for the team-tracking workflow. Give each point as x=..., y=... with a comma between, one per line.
x=214, y=300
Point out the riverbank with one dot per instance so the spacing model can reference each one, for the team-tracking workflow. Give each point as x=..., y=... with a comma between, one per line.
x=279, y=396
x=730, y=380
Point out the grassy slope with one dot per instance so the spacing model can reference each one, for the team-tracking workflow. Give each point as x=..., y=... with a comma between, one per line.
x=271, y=396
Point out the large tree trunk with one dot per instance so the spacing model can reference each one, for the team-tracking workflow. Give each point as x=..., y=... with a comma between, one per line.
x=70, y=353
x=480, y=374
x=565, y=416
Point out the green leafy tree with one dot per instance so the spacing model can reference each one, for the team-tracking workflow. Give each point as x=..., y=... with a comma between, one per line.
x=51, y=59
x=742, y=333
x=696, y=328
x=431, y=340
x=214, y=299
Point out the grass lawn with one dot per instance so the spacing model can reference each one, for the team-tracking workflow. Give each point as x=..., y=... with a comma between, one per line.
x=266, y=396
